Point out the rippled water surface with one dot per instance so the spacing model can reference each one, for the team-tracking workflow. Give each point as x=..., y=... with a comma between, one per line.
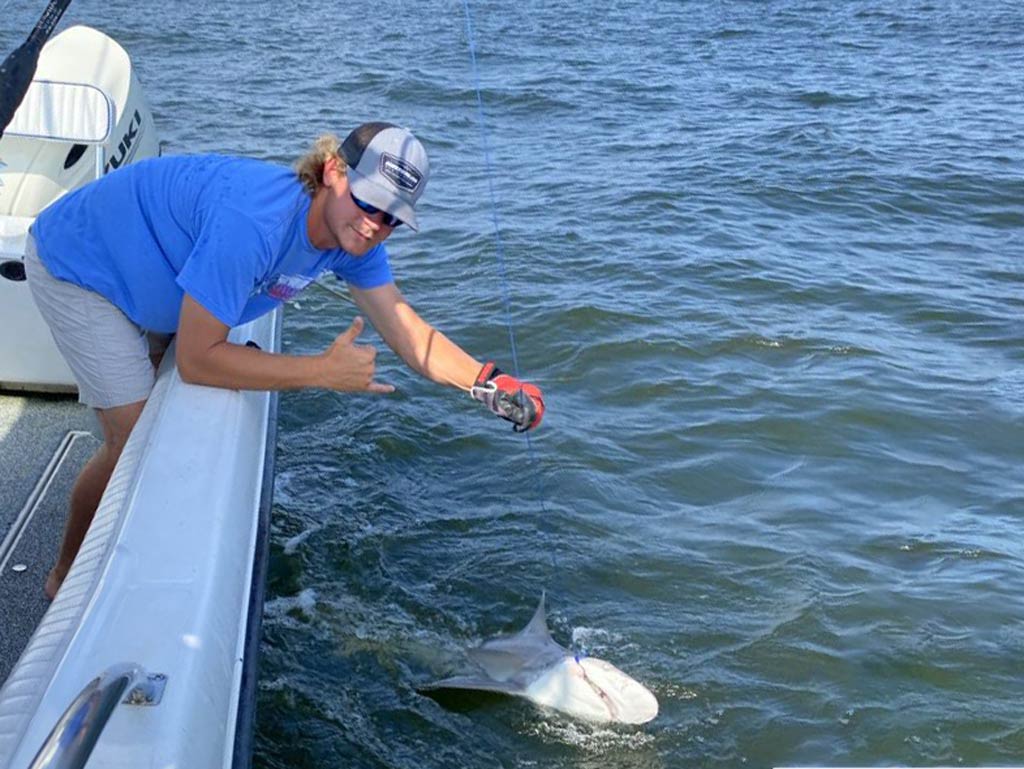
x=766, y=264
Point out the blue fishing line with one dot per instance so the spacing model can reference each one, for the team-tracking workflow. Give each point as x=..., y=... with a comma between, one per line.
x=488, y=165
x=499, y=248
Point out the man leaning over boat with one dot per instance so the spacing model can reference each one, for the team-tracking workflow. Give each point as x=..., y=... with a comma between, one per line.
x=193, y=245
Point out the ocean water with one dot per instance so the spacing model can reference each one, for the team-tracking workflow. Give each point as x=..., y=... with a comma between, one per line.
x=765, y=260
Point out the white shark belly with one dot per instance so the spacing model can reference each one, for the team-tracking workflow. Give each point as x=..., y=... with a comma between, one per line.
x=593, y=690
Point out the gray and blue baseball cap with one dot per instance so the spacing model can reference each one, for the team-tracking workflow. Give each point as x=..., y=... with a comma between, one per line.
x=387, y=168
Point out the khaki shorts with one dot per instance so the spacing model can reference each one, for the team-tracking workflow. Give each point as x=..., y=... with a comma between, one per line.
x=107, y=353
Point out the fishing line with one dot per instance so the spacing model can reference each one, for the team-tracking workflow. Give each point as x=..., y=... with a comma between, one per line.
x=489, y=168
x=499, y=247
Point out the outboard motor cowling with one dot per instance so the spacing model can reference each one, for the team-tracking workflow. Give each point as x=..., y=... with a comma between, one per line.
x=83, y=116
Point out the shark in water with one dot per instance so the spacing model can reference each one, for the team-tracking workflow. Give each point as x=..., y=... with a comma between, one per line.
x=530, y=664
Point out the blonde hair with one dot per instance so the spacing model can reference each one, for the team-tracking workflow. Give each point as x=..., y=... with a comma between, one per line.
x=310, y=167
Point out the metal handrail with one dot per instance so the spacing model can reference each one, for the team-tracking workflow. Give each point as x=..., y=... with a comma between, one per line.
x=76, y=733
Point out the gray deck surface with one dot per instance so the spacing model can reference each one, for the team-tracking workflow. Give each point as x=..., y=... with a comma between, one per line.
x=32, y=429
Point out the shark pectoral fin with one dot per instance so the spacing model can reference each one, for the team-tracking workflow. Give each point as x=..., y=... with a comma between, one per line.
x=476, y=683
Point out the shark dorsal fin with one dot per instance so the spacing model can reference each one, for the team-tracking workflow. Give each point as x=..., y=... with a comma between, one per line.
x=538, y=626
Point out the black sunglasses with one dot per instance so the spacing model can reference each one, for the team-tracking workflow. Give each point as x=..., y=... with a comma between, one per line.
x=388, y=220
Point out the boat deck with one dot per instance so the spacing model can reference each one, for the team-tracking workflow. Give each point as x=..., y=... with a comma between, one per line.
x=44, y=441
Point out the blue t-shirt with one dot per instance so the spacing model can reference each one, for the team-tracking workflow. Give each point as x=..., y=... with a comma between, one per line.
x=230, y=232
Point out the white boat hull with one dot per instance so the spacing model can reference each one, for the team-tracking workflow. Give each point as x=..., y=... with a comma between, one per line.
x=164, y=580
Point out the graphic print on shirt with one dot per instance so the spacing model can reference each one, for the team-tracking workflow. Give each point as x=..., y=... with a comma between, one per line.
x=283, y=287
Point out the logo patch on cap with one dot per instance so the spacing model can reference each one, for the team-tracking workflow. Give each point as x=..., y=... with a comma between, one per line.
x=401, y=173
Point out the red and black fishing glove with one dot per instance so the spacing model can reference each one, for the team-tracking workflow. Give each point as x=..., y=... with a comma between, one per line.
x=521, y=403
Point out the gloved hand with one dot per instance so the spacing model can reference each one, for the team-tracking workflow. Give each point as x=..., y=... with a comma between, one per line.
x=519, y=402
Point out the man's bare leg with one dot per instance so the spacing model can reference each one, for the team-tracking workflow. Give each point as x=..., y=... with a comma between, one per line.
x=117, y=424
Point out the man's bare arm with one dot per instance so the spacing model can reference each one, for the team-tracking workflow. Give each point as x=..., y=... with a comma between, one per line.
x=423, y=348
x=204, y=356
